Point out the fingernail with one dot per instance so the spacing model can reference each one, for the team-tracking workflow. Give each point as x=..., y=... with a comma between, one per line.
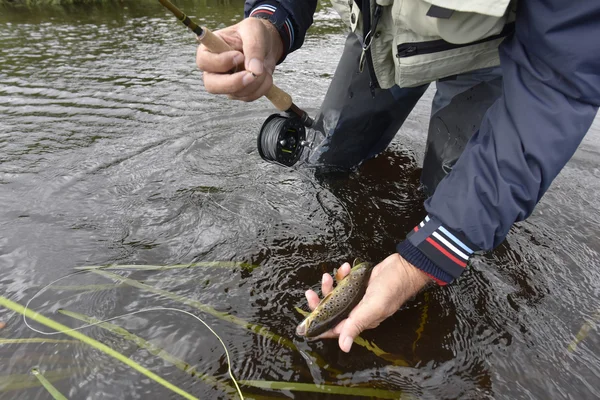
x=347, y=344
x=255, y=66
x=238, y=59
x=248, y=78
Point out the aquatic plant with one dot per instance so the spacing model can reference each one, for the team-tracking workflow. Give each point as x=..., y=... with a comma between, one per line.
x=216, y=264
x=27, y=381
x=58, y=327
x=253, y=327
x=372, y=347
x=56, y=395
x=35, y=340
x=330, y=389
x=152, y=349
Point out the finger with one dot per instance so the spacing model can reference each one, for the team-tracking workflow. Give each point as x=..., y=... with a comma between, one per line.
x=227, y=83
x=257, y=93
x=360, y=318
x=255, y=45
x=312, y=298
x=342, y=272
x=257, y=88
x=326, y=284
x=218, y=63
x=270, y=66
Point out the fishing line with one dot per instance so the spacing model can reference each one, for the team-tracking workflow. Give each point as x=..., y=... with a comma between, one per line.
x=269, y=139
x=229, y=371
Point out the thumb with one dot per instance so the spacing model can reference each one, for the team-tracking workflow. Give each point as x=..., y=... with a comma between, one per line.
x=254, y=45
x=362, y=317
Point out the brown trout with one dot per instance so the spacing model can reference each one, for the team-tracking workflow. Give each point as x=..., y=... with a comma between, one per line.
x=337, y=305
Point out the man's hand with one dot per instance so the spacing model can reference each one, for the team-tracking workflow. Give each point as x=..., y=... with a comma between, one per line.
x=257, y=47
x=392, y=282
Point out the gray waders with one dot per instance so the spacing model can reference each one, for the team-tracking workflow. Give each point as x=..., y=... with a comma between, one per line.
x=356, y=122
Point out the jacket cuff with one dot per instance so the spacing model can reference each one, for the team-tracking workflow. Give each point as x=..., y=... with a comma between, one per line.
x=279, y=17
x=438, y=251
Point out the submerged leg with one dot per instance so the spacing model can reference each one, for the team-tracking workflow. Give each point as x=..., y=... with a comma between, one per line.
x=355, y=121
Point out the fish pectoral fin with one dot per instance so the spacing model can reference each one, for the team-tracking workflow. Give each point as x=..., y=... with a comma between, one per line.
x=326, y=297
x=323, y=300
x=302, y=312
x=338, y=276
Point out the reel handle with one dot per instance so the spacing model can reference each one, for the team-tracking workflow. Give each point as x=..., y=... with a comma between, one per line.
x=280, y=99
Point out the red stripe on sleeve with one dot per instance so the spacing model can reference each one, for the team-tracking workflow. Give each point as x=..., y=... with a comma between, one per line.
x=261, y=11
x=446, y=253
x=439, y=282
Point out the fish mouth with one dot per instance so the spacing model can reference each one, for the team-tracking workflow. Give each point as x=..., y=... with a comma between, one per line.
x=302, y=328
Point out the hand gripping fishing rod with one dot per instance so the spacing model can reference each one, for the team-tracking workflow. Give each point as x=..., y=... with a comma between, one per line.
x=282, y=136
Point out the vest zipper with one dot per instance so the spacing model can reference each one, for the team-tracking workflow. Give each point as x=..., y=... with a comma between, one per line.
x=434, y=46
x=367, y=28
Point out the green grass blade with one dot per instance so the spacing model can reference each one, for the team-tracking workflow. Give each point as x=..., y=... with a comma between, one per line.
x=330, y=389
x=35, y=340
x=217, y=264
x=82, y=288
x=424, y=318
x=258, y=329
x=91, y=342
x=202, y=307
x=153, y=349
x=48, y=386
x=586, y=328
x=372, y=347
x=28, y=381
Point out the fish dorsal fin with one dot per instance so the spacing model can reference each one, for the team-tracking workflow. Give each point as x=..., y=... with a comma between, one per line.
x=356, y=262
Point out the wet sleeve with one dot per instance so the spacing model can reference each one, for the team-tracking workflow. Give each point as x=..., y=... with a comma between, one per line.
x=292, y=18
x=551, y=70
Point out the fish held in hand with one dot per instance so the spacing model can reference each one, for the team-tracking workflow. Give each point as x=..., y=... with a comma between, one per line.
x=337, y=305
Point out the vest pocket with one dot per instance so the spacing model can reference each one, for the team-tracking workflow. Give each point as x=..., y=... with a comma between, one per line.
x=423, y=62
x=434, y=46
x=457, y=27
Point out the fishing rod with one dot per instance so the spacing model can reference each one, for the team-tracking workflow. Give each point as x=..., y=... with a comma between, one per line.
x=282, y=137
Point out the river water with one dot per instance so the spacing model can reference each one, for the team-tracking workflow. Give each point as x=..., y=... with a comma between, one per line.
x=111, y=152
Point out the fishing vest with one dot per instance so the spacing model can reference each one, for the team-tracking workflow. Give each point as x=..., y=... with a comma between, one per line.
x=413, y=42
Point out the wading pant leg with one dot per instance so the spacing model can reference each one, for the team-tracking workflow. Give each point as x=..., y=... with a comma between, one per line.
x=458, y=107
x=356, y=122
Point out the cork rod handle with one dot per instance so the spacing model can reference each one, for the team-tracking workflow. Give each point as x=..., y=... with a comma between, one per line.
x=280, y=99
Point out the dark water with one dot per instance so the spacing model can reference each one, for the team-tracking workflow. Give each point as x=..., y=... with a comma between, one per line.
x=111, y=152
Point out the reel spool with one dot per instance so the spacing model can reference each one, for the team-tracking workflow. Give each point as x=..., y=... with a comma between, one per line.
x=281, y=139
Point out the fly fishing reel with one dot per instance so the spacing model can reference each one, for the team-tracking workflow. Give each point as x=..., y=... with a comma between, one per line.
x=282, y=139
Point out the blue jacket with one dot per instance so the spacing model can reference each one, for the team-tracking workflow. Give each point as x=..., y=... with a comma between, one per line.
x=551, y=94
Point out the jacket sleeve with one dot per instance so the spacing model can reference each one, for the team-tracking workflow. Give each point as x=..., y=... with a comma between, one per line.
x=291, y=17
x=551, y=78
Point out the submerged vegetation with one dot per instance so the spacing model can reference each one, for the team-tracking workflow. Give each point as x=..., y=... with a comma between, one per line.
x=36, y=378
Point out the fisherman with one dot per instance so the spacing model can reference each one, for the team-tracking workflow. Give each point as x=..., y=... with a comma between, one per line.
x=517, y=87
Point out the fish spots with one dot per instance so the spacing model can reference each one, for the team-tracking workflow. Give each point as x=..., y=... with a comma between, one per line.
x=338, y=304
